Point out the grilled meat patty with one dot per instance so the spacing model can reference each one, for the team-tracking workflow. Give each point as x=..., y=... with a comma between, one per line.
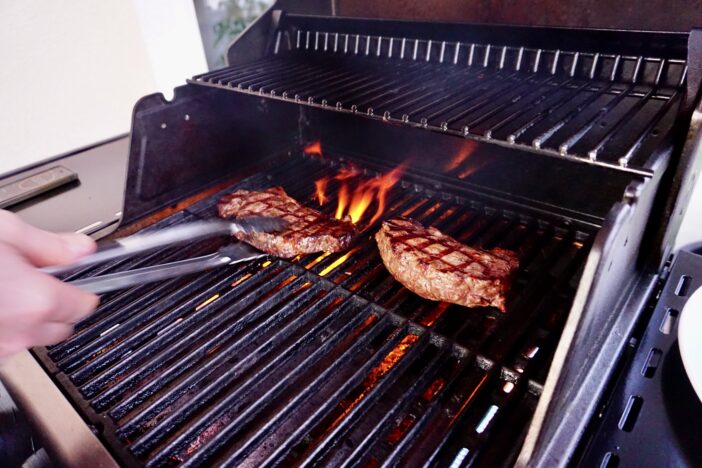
x=308, y=230
x=438, y=267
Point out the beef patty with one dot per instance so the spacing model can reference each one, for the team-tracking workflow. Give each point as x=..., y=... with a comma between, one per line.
x=308, y=230
x=438, y=267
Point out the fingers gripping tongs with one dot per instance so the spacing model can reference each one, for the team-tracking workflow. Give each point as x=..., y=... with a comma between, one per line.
x=141, y=243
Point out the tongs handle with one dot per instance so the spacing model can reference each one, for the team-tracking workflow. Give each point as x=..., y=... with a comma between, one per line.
x=146, y=242
x=225, y=256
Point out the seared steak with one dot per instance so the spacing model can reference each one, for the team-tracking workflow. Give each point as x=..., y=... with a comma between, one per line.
x=436, y=266
x=308, y=230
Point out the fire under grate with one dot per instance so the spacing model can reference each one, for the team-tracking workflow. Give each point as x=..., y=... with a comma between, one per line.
x=324, y=359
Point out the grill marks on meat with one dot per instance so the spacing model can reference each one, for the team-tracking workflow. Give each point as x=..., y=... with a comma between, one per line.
x=308, y=231
x=437, y=267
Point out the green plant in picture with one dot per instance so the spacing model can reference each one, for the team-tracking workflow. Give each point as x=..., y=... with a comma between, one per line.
x=237, y=14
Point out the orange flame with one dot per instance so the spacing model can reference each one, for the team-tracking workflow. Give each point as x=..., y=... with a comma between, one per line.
x=314, y=148
x=384, y=184
x=347, y=173
x=362, y=198
x=469, y=146
x=467, y=161
x=476, y=165
x=378, y=372
x=366, y=192
x=320, y=189
x=343, y=200
x=321, y=184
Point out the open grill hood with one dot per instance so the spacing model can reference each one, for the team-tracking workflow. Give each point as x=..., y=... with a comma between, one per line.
x=566, y=146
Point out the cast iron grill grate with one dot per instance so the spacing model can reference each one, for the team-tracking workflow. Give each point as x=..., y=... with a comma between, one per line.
x=602, y=108
x=324, y=358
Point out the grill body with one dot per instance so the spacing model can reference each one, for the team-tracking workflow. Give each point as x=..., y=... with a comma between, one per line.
x=566, y=146
x=326, y=358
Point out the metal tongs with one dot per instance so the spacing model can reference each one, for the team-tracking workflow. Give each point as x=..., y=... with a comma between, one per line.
x=141, y=243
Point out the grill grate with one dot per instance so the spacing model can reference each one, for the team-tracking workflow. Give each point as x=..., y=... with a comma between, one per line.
x=324, y=358
x=605, y=109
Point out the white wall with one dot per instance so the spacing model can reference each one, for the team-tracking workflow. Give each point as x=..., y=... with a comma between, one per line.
x=173, y=43
x=71, y=70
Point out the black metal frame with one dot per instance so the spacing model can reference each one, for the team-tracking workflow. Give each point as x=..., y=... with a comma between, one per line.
x=640, y=200
x=132, y=336
x=652, y=411
x=585, y=100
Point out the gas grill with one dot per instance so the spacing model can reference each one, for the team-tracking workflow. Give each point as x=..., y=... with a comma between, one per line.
x=568, y=147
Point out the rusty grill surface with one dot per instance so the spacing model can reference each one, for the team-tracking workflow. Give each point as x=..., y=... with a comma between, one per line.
x=606, y=109
x=324, y=359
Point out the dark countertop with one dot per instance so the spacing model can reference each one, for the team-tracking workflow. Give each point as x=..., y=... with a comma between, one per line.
x=94, y=204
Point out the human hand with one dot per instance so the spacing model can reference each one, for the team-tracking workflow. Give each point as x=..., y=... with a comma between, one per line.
x=36, y=308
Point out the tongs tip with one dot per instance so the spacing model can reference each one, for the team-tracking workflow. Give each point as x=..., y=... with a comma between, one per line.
x=258, y=224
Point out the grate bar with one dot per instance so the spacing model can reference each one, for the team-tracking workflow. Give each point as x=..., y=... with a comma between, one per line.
x=149, y=439
x=126, y=304
x=504, y=102
x=146, y=328
x=555, y=122
x=156, y=362
x=623, y=120
x=484, y=83
x=613, y=146
x=394, y=340
x=238, y=344
x=302, y=77
x=351, y=421
x=173, y=336
x=555, y=102
x=282, y=361
x=367, y=335
x=417, y=85
x=458, y=393
x=503, y=118
x=476, y=101
x=355, y=410
x=244, y=79
x=382, y=83
x=425, y=88
x=564, y=147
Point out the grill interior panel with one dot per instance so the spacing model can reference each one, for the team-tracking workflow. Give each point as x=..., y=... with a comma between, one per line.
x=597, y=107
x=324, y=358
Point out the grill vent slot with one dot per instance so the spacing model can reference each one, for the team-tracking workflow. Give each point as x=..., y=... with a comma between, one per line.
x=631, y=413
x=669, y=320
x=683, y=286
